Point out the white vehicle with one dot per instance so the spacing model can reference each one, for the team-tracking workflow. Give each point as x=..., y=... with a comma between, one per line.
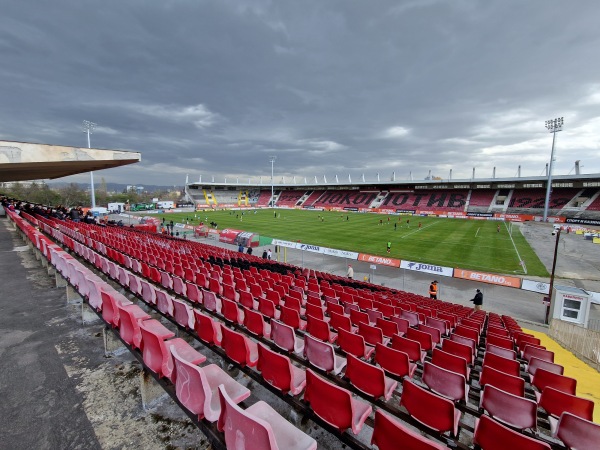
x=99, y=211
x=116, y=207
x=165, y=204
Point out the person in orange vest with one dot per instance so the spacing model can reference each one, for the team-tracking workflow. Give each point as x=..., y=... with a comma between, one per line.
x=433, y=290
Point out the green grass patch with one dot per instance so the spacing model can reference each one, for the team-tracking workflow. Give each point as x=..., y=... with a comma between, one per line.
x=468, y=244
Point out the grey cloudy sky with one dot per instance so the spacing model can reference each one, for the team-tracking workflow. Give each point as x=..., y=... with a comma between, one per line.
x=340, y=87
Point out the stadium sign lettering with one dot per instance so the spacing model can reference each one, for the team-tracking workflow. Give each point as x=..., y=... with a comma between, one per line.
x=583, y=221
x=287, y=244
x=379, y=260
x=476, y=214
x=340, y=253
x=489, y=278
x=309, y=248
x=427, y=268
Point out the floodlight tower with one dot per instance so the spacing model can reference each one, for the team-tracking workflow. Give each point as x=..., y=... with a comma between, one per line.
x=553, y=126
x=272, y=159
x=88, y=127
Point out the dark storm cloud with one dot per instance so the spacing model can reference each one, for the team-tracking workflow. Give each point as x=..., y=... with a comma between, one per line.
x=216, y=87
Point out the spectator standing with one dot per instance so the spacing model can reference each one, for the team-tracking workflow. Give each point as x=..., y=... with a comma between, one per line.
x=269, y=254
x=433, y=290
x=478, y=300
x=350, y=273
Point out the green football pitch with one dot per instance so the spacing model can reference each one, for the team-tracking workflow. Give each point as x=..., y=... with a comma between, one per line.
x=468, y=244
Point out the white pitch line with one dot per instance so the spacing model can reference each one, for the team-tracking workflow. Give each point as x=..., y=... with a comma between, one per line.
x=514, y=245
x=419, y=229
x=477, y=231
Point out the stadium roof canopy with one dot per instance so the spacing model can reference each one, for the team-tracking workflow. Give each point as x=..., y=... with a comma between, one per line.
x=21, y=161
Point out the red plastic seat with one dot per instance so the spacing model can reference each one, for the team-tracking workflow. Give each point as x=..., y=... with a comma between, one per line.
x=278, y=371
x=446, y=383
x=465, y=341
x=183, y=314
x=129, y=328
x=239, y=348
x=285, y=338
x=413, y=318
x=337, y=321
x=357, y=316
x=179, y=286
x=354, y=344
x=193, y=293
x=372, y=334
x=443, y=326
x=468, y=332
x=544, y=378
x=513, y=410
x=322, y=355
x=246, y=299
x=110, y=302
x=155, y=348
x=556, y=402
x=535, y=364
x=577, y=433
x=403, y=325
x=509, y=366
x=491, y=435
x=501, y=380
x=410, y=347
x=420, y=403
x=259, y=426
x=531, y=351
x=394, y=361
x=369, y=379
x=207, y=329
x=291, y=317
x=524, y=339
x=388, y=433
x=422, y=338
x=230, y=311
x=211, y=301
x=319, y=329
x=256, y=324
x=505, y=353
x=450, y=362
x=458, y=349
x=229, y=292
x=335, y=405
x=388, y=327
x=267, y=308
x=436, y=335
x=196, y=387
x=165, y=280
x=499, y=341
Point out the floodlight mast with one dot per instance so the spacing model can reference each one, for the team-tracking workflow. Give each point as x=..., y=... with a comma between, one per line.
x=272, y=161
x=553, y=126
x=88, y=127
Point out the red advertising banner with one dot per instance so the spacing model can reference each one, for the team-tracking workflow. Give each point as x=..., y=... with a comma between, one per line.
x=490, y=278
x=380, y=260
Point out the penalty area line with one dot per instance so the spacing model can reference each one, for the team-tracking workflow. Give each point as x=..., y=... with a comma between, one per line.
x=419, y=229
x=477, y=231
x=515, y=247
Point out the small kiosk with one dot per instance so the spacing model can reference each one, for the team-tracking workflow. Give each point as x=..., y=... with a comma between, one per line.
x=571, y=304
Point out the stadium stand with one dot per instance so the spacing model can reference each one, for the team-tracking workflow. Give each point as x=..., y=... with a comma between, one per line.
x=329, y=399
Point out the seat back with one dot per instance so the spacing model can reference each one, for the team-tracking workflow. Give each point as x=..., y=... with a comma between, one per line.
x=154, y=351
x=420, y=403
x=243, y=430
x=413, y=318
x=578, y=433
x=444, y=382
x=254, y=322
x=458, y=349
x=207, y=329
x=509, y=366
x=320, y=354
x=513, y=410
x=465, y=341
x=543, y=379
x=330, y=402
x=315, y=311
x=465, y=331
x=556, y=402
x=372, y=334
x=504, y=352
x=408, y=346
x=318, y=328
x=450, y=362
x=193, y=293
x=246, y=299
x=266, y=307
x=436, y=335
x=501, y=380
x=531, y=351
x=491, y=435
x=129, y=329
x=191, y=386
x=443, y=326
x=350, y=343
x=365, y=377
x=388, y=327
x=290, y=317
x=357, y=316
x=421, y=337
x=283, y=335
x=339, y=321
x=388, y=433
x=182, y=312
x=275, y=368
x=403, y=324
x=499, y=341
x=535, y=364
x=393, y=361
x=230, y=310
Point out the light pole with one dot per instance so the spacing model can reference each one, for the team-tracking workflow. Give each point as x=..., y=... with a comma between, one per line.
x=553, y=126
x=88, y=127
x=549, y=298
x=272, y=161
